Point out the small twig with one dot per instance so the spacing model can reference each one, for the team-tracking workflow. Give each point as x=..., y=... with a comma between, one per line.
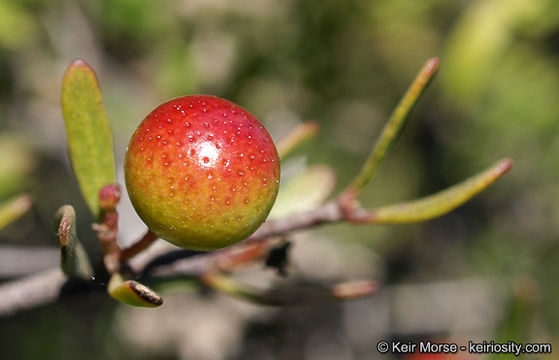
x=31, y=291
x=107, y=231
x=330, y=212
x=18, y=261
x=139, y=246
x=345, y=209
x=221, y=260
x=341, y=291
x=262, y=241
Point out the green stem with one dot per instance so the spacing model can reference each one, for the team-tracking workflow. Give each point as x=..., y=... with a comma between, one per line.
x=393, y=127
x=437, y=204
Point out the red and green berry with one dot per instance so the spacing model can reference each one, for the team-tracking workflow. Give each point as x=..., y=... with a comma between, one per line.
x=202, y=172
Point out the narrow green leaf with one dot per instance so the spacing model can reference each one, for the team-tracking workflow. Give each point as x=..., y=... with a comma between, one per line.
x=13, y=209
x=305, y=191
x=393, y=127
x=133, y=293
x=440, y=203
x=297, y=137
x=73, y=257
x=89, y=134
x=341, y=291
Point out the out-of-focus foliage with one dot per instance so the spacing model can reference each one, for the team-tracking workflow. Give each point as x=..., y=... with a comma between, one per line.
x=503, y=77
x=13, y=16
x=16, y=164
x=344, y=64
x=304, y=192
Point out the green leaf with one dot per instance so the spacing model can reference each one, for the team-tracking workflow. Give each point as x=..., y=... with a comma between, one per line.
x=304, y=192
x=133, y=293
x=13, y=209
x=89, y=134
x=393, y=127
x=297, y=137
x=440, y=203
x=74, y=260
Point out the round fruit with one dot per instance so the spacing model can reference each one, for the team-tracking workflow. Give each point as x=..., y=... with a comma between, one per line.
x=202, y=172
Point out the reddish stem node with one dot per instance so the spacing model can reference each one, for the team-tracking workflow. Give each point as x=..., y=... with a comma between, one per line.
x=142, y=244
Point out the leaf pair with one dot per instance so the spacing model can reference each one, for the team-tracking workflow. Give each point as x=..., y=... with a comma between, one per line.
x=90, y=146
x=428, y=207
x=311, y=188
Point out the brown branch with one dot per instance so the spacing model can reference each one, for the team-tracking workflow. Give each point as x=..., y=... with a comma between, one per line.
x=295, y=296
x=260, y=242
x=107, y=231
x=19, y=261
x=137, y=247
x=43, y=288
x=222, y=260
x=327, y=213
x=31, y=292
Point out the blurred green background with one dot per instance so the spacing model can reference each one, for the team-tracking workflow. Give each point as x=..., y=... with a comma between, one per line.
x=487, y=271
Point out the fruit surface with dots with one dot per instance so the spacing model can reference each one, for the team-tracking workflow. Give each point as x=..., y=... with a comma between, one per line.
x=202, y=172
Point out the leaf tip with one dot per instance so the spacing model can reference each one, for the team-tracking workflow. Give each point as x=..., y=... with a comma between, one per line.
x=64, y=220
x=133, y=293
x=433, y=63
x=312, y=126
x=63, y=231
x=24, y=203
x=355, y=289
x=151, y=298
x=503, y=166
x=79, y=63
